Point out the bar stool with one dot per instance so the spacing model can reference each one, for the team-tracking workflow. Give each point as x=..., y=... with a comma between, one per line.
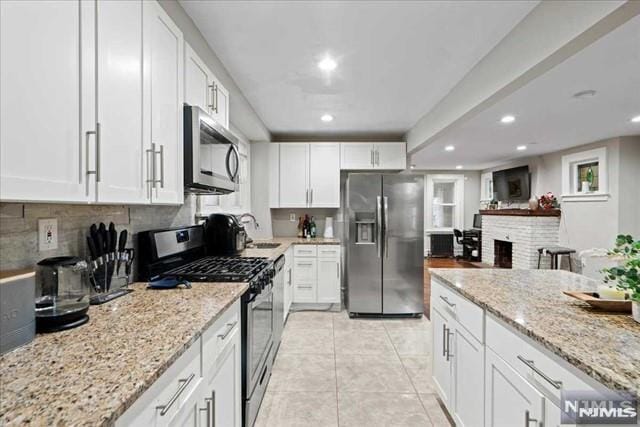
x=554, y=252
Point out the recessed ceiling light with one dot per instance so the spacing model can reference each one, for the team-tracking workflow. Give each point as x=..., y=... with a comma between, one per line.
x=326, y=118
x=449, y=148
x=583, y=94
x=459, y=167
x=635, y=119
x=507, y=119
x=327, y=64
x=521, y=147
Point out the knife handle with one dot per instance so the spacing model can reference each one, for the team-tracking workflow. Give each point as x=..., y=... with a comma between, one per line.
x=123, y=240
x=92, y=248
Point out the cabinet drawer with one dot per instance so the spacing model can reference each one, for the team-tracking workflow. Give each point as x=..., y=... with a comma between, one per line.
x=305, y=251
x=454, y=305
x=534, y=363
x=217, y=337
x=304, y=292
x=304, y=270
x=172, y=391
x=328, y=251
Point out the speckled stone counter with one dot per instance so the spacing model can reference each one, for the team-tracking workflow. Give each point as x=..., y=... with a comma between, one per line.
x=91, y=374
x=604, y=346
x=285, y=243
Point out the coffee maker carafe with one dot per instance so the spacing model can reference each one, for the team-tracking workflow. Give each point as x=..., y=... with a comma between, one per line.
x=62, y=293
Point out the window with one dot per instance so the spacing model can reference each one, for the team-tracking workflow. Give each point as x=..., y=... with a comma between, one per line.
x=578, y=169
x=486, y=187
x=444, y=202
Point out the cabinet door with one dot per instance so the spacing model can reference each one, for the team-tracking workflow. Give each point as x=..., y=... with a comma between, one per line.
x=390, y=155
x=164, y=74
x=328, y=286
x=509, y=399
x=467, y=358
x=42, y=149
x=274, y=175
x=220, y=103
x=294, y=174
x=224, y=394
x=305, y=277
x=196, y=80
x=355, y=156
x=324, y=175
x=119, y=102
x=441, y=367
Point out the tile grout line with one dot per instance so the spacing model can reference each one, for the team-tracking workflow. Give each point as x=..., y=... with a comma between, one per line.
x=404, y=368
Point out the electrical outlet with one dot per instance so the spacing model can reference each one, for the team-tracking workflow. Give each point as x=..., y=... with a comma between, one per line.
x=47, y=234
x=292, y=217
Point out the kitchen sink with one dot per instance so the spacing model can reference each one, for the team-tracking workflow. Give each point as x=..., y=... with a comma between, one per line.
x=265, y=245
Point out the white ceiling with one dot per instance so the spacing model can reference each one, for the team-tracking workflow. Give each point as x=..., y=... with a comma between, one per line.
x=548, y=118
x=396, y=60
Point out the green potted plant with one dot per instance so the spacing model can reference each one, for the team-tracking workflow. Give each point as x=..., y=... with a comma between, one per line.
x=625, y=275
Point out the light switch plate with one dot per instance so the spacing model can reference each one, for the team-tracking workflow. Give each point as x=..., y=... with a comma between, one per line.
x=47, y=234
x=292, y=217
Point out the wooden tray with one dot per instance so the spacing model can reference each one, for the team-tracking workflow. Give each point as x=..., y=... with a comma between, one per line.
x=592, y=298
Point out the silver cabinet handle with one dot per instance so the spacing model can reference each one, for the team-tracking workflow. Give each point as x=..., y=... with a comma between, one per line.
x=449, y=334
x=290, y=281
x=449, y=303
x=444, y=340
x=304, y=287
x=306, y=196
x=98, y=161
x=386, y=227
x=371, y=160
x=213, y=408
x=528, y=420
x=161, y=152
x=151, y=152
x=213, y=98
x=377, y=157
x=305, y=263
x=184, y=383
x=534, y=368
x=230, y=327
x=87, y=135
x=208, y=410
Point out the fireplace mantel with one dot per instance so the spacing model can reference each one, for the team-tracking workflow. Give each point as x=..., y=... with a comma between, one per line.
x=520, y=212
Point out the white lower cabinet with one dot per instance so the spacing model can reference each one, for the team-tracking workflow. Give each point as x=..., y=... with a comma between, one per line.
x=509, y=399
x=202, y=388
x=488, y=374
x=316, y=274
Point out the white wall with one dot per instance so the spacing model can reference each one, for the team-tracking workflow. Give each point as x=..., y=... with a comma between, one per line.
x=587, y=225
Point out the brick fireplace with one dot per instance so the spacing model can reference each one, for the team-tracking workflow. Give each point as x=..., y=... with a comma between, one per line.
x=511, y=237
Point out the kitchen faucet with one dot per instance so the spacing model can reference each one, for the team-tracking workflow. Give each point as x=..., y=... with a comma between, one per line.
x=251, y=216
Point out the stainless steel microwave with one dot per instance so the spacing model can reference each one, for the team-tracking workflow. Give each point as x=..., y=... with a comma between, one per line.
x=211, y=160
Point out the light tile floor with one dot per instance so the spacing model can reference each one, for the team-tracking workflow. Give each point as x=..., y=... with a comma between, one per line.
x=335, y=371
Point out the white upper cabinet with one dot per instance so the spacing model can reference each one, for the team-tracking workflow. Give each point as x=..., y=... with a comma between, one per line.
x=43, y=146
x=308, y=175
x=119, y=116
x=202, y=88
x=366, y=156
x=324, y=175
x=294, y=175
x=164, y=82
x=108, y=105
x=390, y=155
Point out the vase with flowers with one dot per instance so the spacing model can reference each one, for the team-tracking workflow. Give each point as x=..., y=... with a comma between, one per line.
x=625, y=276
x=548, y=201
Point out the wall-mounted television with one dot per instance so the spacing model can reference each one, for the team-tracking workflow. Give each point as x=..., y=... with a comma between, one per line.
x=512, y=185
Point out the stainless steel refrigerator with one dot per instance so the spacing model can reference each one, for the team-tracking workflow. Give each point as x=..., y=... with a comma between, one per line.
x=385, y=254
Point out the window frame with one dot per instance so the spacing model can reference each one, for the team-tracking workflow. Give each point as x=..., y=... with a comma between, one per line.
x=570, y=187
x=458, y=211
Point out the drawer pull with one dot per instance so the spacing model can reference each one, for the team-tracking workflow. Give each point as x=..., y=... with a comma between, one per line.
x=449, y=303
x=228, y=331
x=449, y=355
x=444, y=340
x=305, y=263
x=304, y=287
x=531, y=364
x=184, y=383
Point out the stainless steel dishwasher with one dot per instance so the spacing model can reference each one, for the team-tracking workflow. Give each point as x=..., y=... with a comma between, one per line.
x=278, y=303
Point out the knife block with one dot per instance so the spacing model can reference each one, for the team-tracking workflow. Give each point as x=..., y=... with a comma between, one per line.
x=106, y=283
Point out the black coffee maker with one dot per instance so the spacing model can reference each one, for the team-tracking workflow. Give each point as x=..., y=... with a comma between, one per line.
x=224, y=235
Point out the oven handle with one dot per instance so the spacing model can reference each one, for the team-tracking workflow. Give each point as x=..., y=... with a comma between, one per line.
x=234, y=150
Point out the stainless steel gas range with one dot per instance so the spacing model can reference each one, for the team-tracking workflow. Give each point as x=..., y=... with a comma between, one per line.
x=180, y=253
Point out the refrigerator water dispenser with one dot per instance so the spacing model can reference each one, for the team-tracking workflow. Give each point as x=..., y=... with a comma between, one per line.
x=365, y=228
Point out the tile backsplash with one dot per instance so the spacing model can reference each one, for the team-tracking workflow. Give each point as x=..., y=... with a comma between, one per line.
x=19, y=226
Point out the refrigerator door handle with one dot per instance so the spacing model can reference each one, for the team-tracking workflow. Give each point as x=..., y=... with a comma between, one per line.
x=379, y=226
x=386, y=227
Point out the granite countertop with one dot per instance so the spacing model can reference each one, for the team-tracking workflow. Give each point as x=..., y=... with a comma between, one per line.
x=285, y=243
x=91, y=374
x=604, y=346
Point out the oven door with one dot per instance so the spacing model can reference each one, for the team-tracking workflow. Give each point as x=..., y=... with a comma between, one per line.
x=259, y=335
x=212, y=161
